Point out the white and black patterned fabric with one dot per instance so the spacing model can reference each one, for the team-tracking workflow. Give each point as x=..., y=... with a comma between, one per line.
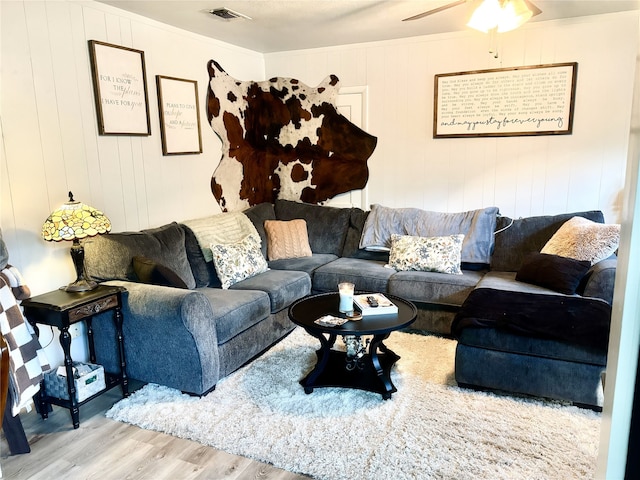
x=28, y=361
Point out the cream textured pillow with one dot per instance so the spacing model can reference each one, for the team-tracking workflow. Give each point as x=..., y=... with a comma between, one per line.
x=430, y=254
x=229, y=227
x=582, y=239
x=236, y=261
x=287, y=239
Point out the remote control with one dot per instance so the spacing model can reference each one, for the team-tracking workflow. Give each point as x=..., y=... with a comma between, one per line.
x=372, y=301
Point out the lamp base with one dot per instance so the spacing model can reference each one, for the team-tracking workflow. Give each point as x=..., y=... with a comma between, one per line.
x=80, y=285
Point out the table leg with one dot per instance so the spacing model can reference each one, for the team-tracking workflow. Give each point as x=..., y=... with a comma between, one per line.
x=92, y=348
x=124, y=379
x=384, y=377
x=65, y=342
x=323, y=357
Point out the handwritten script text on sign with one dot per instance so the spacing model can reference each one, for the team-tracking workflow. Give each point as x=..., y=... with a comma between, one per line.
x=534, y=100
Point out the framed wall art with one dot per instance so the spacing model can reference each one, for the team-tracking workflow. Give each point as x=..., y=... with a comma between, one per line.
x=530, y=100
x=120, y=89
x=179, y=115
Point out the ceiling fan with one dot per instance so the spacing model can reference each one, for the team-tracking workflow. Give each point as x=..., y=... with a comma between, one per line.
x=504, y=15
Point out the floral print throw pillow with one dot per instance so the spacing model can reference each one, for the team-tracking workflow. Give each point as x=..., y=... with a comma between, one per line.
x=237, y=261
x=430, y=254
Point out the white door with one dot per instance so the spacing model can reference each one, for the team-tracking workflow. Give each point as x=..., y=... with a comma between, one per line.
x=352, y=103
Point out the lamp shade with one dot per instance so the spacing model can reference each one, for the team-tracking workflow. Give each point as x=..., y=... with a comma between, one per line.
x=74, y=220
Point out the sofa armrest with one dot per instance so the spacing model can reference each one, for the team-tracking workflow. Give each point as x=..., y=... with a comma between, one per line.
x=169, y=336
x=600, y=280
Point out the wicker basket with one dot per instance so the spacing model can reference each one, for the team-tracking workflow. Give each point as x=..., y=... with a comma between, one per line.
x=87, y=384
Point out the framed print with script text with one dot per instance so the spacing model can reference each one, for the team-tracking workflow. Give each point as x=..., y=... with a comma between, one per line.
x=530, y=100
x=120, y=89
x=179, y=115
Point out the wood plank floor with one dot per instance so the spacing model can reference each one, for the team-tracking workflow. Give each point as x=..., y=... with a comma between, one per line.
x=105, y=449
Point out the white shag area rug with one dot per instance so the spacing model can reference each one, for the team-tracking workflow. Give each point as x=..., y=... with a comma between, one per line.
x=430, y=429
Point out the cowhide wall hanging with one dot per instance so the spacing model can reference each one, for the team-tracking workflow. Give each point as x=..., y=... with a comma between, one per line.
x=282, y=139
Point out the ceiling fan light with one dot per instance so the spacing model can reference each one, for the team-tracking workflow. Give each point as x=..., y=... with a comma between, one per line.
x=514, y=14
x=485, y=17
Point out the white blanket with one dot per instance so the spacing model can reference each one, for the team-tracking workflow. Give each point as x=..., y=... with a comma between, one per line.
x=223, y=228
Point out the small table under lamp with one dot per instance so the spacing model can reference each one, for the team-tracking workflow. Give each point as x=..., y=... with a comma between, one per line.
x=72, y=221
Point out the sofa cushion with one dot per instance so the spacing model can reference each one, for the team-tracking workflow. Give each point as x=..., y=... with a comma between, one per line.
x=357, y=219
x=326, y=226
x=110, y=256
x=427, y=254
x=367, y=275
x=516, y=238
x=258, y=214
x=204, y=271
x=282, y=286
x=477, y=226
x=238, y=261
x=303, y=264
x=433, y=287
x=498, y=340
x=199, y=267
x=154, y=273
x=507, y=281
x=287, y=239
x=573, y=381
x=600, y=280
x=236, y=310
x=582, y=239
x=552, y=271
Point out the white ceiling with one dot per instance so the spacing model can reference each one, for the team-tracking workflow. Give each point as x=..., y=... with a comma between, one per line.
x=281, y=25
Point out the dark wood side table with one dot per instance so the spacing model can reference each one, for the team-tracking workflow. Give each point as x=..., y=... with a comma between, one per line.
x=62, y=309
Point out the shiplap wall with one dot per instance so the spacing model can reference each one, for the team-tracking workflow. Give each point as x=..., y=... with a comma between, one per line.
x=523, y=176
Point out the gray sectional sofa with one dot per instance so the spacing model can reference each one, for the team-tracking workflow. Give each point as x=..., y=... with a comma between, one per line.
x=189, y=338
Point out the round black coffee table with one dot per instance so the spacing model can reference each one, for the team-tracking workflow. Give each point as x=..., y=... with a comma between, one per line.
x=358, y=367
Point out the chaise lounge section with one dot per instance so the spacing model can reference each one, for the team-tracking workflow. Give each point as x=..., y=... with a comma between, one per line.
x=528, y=338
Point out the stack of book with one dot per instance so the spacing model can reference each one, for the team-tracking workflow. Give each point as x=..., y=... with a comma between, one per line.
x=374, y=304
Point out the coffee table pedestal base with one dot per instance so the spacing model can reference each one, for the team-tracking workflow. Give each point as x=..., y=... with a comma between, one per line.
x=372, y=372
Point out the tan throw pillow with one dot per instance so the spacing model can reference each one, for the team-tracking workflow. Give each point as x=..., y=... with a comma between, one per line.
x=582, y=239
x=287, y=239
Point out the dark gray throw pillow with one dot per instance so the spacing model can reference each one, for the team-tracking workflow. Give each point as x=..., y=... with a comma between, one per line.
x=110, y=256
x=154, y=273
x=560, y=274
x=258, y=214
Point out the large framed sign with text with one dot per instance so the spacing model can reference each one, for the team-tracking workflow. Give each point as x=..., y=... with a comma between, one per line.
x=120, y=89
x=531, y=100
x=179, y=115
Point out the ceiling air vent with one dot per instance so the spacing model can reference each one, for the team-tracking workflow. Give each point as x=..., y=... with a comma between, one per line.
x=227, y=14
